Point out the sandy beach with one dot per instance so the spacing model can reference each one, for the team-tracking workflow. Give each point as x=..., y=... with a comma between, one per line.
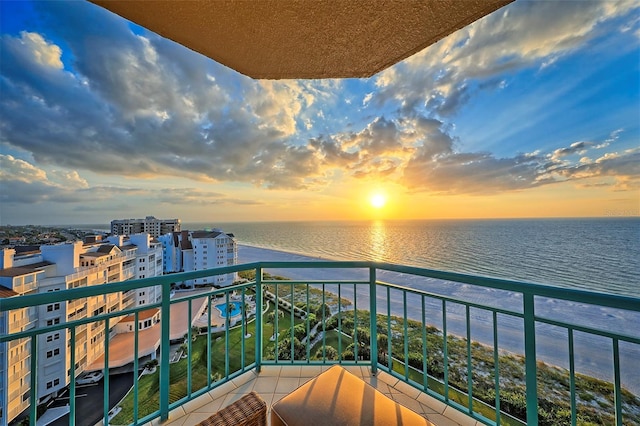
x=594, y=353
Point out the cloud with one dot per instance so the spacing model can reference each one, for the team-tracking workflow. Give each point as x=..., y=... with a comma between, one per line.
x=141, y=106
x=483, y=173
x=19, y=170
x=198, y=197
x=24, y=183
x=43, y=53
x=574, y=148
x=443, y=77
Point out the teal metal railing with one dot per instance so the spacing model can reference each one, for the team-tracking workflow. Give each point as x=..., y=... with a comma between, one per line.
x=481, y=351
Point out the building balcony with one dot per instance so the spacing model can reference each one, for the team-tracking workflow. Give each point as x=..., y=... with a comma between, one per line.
x=457, y=349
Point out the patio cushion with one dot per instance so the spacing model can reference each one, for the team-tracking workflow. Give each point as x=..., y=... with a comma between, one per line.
x=338, y=398
x=250, y=410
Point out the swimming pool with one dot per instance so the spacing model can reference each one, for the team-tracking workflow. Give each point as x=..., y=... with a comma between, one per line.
x=237, y=308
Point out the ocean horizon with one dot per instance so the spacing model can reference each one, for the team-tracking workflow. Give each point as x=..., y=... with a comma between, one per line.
x=597, y=254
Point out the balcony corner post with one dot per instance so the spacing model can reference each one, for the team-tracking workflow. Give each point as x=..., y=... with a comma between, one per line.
x=373, y=331
x=164, y=351
x=259, y=331
x=530, y=359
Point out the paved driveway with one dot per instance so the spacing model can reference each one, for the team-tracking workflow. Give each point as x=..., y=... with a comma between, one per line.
x=89, y=400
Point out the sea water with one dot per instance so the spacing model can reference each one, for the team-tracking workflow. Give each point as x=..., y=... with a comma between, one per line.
x=600, y=254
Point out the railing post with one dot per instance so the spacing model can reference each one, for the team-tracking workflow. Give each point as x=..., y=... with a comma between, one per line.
x=72, y=379
x=530, y=359
x=373, y=313
x=259, y=330
x=105, y=392
x=33, y=396
x=164, y=351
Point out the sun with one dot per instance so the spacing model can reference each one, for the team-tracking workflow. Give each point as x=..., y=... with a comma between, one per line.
x=378, y=201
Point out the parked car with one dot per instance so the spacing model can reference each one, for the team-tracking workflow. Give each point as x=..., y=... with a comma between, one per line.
x=89, y=378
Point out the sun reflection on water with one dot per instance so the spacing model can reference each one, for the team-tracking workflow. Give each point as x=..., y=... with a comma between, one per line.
x=378, y=238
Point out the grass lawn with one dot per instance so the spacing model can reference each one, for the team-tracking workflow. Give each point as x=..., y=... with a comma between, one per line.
x=332, y=338
x=149, y=388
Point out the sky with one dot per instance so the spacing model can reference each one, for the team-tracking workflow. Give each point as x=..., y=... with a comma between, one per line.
x=532, y=111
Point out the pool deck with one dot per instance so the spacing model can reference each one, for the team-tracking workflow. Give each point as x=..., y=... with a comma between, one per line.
x=217, y=319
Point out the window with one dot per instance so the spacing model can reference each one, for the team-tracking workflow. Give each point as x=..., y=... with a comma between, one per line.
x=56, y=382
x=53, y=321
x=55, y=352
x=53, y=337
x=54, y=307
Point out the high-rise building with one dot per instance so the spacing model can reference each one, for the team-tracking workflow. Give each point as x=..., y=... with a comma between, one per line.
x=199, y=250
x=64, y=266
x=150, y=225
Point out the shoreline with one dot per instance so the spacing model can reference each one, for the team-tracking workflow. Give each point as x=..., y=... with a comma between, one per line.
x=595, y=352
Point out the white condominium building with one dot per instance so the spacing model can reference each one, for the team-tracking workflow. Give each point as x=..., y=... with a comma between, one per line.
x=150, y=225
x=199, y=250
x=53, y=268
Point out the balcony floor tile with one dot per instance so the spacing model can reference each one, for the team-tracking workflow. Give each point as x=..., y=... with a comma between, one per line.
x=275, y=382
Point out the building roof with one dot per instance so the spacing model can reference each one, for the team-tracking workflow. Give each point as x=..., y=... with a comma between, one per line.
x=22, y=250
x=277, y=39
x=106, y=248
x=93, y=254
x=24, y=270
x=6, y=292
x=205, y=234
x=142, y=315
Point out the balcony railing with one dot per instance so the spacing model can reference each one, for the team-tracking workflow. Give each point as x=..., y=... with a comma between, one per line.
x=502, y=352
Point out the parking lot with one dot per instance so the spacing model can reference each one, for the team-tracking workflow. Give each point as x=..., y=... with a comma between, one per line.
x=89, y=399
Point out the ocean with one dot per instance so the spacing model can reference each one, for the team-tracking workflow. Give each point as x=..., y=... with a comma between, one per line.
x=600, y=254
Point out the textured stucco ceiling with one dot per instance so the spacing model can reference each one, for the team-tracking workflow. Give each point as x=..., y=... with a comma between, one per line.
x=277, y=39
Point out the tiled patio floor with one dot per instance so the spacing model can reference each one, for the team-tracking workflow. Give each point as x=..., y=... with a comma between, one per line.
x=274, y=382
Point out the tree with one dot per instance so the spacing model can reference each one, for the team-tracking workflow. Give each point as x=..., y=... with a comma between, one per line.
x=284, y=349
x=415, y=360
x=348, y=356
x=330, y=353
x=323, y=308
x=272, y=315
x=312, y=320
x=300, y=331
x=383, y=342
x=362, y=336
